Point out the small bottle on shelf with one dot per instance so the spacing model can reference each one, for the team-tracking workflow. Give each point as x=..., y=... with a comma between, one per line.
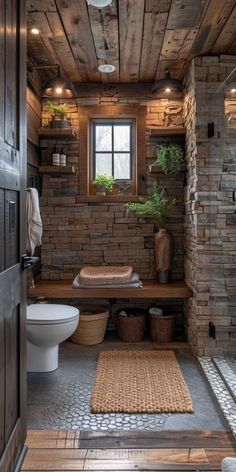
x=62, y=158
x=55, y=157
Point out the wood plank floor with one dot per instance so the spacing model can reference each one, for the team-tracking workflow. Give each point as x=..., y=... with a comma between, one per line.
x=127, y=451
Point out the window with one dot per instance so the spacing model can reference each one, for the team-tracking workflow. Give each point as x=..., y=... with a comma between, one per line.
x=112, y=140
x=113, y=148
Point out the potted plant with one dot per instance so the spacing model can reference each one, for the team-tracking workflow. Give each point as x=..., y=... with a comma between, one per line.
x=169, y=157
x=104, y=184
x=58, y=115
x=158, y=206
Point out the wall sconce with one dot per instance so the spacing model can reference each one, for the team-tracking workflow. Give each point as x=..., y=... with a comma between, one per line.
x=57, y=87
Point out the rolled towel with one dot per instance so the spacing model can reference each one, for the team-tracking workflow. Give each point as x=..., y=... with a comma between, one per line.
x=105, y=275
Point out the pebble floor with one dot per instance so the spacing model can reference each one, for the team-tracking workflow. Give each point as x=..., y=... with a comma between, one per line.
x=60, y=399
x=221, y=375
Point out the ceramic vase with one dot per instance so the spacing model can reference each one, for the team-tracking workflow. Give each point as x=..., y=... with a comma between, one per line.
x=163, y=250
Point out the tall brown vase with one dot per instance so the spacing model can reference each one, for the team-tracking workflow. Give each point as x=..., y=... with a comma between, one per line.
x=163, y=249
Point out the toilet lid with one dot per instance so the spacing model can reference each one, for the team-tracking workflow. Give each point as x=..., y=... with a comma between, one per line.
x=47, y=313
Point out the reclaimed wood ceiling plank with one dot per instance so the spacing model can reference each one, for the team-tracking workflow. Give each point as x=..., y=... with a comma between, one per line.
x=61, y=47
x=177, y=44
x=74, y=16
x=131, y=16
x=104, y=26
x=227, y=34
x=214, y=19
x=153, y=33
x=41, y=5
x=162, y=6
x=186, y=13
x=37, y=51
x=55, y=43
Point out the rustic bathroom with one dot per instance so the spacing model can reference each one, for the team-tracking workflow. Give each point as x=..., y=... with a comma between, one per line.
x=118, y=224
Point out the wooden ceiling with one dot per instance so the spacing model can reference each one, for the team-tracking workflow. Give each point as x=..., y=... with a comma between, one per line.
x=142, y=39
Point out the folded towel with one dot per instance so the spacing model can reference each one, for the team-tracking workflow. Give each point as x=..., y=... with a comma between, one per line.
x=34, y=222
x=133, y=283
x=105, y=275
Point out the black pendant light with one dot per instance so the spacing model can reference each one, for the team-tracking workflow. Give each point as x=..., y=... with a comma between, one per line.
x=167, y=87
x=58, y=87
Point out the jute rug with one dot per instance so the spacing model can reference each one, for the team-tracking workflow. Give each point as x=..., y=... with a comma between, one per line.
x=138, y=382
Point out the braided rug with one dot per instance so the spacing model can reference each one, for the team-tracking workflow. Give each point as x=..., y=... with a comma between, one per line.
x=138, y=382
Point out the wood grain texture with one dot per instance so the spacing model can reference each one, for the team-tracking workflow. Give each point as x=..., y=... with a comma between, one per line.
x=104, y=26
x=131, y=14
x=129, y=34
x=151, y=289
x=75, y=18
x=76, y=450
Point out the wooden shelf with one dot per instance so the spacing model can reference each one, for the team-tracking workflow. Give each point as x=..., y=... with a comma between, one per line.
x=166, y=131
x=58, y=133
x=151, y=289
x=56, y=170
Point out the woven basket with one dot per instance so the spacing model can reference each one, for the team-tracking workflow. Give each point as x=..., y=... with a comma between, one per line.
x=92, y=326
x=131, y=328
x=162, y=328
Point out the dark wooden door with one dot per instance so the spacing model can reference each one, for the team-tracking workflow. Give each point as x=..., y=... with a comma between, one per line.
x=12, y=232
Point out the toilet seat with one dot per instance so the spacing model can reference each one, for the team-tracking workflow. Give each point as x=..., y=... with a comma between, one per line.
x=50, y=314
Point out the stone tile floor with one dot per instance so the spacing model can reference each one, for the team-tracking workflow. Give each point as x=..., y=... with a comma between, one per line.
x=221, y=374
x=60, y=399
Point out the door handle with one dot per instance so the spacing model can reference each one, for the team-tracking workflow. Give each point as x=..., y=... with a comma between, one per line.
x=28, y=261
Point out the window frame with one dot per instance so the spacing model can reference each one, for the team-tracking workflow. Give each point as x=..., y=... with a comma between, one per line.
x=114, y=122
x=111, y=112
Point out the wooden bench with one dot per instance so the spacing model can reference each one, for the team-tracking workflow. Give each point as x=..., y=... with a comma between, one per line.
x=58, y=289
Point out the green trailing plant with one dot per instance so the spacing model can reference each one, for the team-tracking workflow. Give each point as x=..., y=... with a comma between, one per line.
x=169, y=157
x=104, y=181
x=54, y=109
x=157, y=205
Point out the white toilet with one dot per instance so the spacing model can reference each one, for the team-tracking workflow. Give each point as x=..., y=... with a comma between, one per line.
x=47, y=326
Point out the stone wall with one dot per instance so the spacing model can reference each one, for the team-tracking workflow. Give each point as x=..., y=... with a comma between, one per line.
x=210, y=222
x=76, y=234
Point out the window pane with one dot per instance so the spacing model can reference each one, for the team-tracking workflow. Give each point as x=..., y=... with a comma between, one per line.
x=121, y=166
x=103, y=164
x=122, y=138
x=103, y=138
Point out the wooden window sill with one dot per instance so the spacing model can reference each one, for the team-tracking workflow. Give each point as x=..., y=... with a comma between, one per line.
x=107, y=198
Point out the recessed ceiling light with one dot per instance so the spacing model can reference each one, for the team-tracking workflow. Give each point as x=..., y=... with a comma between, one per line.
x=233, y=90
x=106, y=68
x=99, y=3
x=34, y=31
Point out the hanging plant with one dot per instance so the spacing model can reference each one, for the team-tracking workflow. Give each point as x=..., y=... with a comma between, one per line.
x=169, y=157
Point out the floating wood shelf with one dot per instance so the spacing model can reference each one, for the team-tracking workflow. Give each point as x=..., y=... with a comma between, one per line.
x=57, y=170
x=166, y=131
x=151, y=289
x=58, y=133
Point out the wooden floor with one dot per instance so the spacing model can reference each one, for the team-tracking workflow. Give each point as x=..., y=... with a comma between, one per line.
x=127, y=451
